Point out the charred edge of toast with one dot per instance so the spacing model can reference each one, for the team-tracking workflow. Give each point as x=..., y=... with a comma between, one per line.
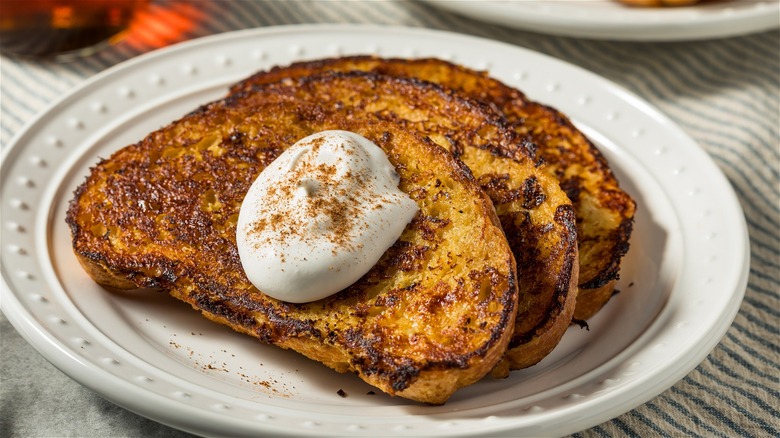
x=593, y=300
x=399, y=377
x=98, y=266
x=565, y=289
x=573, y=187
x=612, y=272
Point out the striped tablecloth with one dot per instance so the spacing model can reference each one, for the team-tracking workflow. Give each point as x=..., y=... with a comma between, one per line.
x=724, y=93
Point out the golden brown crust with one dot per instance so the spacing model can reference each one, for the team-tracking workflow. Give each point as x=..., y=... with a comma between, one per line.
x=547, y=336
x=604, y=211
x=435, y=314
x=102, y=274
x=594, y=300
x=536, y=215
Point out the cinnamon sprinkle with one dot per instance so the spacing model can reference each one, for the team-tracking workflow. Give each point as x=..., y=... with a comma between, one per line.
x=331, y=206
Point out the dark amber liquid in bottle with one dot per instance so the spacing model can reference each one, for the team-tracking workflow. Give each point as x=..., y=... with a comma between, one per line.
x=55, y=27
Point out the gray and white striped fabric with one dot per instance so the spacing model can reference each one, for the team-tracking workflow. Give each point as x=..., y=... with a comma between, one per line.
x=724, y=93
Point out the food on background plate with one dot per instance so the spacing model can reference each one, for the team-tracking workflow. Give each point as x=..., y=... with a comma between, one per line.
x=604, y=211
x=659, y=2
x=434, y=314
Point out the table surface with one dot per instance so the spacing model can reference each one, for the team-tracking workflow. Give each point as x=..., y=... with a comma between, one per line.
x=724, y=93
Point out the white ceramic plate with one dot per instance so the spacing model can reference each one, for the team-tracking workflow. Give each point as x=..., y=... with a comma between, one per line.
x=681, y=285
x=609, y=19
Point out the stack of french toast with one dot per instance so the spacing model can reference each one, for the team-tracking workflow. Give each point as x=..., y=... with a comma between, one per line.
x=521, y=226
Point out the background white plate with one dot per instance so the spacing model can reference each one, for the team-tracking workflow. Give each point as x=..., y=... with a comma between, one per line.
x=609, y=19
x=681, y=285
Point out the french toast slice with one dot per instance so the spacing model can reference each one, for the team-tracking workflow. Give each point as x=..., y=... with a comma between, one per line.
x=604, y=211
x=436, y=313
x=536, y=215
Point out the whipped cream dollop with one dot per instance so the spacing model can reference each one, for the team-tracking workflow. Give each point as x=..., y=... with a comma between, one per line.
x=320, y=216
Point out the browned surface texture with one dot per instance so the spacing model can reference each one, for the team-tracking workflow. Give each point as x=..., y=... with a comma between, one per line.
x=435, y=314
x=604, y=212
x=536, y=215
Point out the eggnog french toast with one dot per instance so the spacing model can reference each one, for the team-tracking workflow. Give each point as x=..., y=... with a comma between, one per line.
x=603, y=210
x=435, y=313
x=536, y=215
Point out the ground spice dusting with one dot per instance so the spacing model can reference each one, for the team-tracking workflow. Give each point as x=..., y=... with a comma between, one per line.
x=334, y=208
